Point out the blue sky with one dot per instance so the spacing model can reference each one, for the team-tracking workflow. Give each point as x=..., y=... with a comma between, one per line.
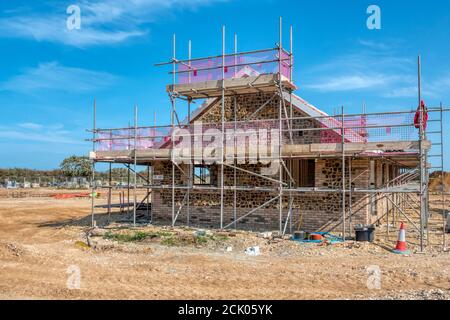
x=49, y=75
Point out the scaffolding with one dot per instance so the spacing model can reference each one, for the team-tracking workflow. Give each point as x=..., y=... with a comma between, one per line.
x=392, y=136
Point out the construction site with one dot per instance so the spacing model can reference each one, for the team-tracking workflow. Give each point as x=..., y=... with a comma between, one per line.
x=256, y=156
x=255, y=194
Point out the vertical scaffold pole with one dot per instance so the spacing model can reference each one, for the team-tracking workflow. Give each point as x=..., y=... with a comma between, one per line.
x=190, y=169
x=109, y=190
x=189, y=60
x=422, y=157
x=235, y=53
x=444, y=213
x=291, y=69
x=93, y=187
x=148, y=192
x=135, y=164
x=343, y=172
x=152, y=173
x=128, y=188
x=280, y=131
x=350, y=200
x=291, y=57
x=223, y=130
x=172, y=122
x=234, y=138
x=291, y=123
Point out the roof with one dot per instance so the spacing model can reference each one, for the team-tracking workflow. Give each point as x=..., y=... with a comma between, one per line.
x=323, y=118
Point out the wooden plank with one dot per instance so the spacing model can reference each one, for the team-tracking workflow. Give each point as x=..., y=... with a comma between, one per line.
x=213, y=88
x=128, y=154
x=325, y=147
x=352, y=147
x=302, y=150
x=293, y=149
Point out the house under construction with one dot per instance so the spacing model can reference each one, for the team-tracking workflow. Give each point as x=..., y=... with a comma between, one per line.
x=254, y=155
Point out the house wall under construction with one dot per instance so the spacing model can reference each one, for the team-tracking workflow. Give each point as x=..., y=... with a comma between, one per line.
x=310, y=211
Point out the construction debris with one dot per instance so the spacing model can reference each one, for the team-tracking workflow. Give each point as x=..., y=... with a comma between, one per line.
x=98, y=232
x=76, y=195
x=252, y=251
x=200, y=233
x=265, y=235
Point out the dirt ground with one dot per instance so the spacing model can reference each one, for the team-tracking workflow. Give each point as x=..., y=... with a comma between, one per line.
x=43, y=248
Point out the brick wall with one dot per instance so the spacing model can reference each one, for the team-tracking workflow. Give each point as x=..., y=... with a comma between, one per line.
x=246, y=105
x=311, y=211
x=314, y=211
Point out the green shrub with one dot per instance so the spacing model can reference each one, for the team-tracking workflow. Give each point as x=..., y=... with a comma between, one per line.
x=135, y=237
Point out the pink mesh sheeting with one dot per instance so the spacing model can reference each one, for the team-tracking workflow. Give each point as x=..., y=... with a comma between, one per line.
x=285, y=64
x=362, y=129
x=123, y=139
x=383, y=127
x=357, y=129
x=238, y=66
x=243, y=131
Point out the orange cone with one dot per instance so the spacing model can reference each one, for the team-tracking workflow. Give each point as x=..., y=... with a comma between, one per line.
x=401, y=242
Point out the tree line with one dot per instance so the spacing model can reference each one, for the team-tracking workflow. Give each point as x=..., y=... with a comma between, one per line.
x=71, y=167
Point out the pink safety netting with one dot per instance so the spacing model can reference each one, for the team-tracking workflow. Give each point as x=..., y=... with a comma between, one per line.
x=237, y=66
x=361, y=129
x=124, y=139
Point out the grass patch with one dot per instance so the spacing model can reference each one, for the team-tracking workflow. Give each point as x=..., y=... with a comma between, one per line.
x=164, y=234
x=170, y=241
x=134, y=237
x=166, y=238
x=201, y=240
x=219, y=238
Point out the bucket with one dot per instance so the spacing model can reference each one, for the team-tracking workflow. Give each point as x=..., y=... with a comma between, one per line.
x=365, y=233
x=299, y=235
x=316, y=236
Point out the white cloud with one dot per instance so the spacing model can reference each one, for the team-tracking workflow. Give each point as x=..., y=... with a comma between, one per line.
x=436, y=88
x=102, y=22
x=349, y=82
x=32, y=132
x=30, y=125
x=386, y=46
x=373, y=44
x=371, y=66
x=402, y=92
x=54, y=29
x=53, y=76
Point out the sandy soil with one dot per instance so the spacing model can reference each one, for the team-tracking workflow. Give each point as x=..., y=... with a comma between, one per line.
x=42, y=243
